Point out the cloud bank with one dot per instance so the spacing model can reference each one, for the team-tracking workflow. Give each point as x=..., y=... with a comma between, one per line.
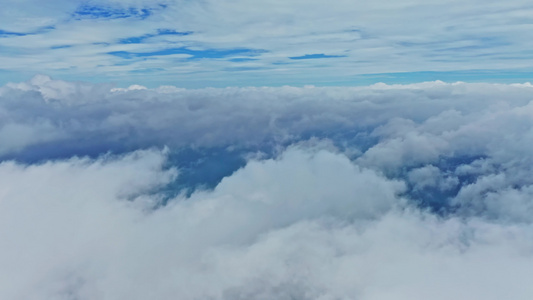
x=378, y=192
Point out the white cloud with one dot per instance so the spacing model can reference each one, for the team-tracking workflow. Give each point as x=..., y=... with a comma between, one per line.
x=431, y=177
x=308, y=225
x=16, y=137
x=385, y=127
x=380, y=192
x=404, y=191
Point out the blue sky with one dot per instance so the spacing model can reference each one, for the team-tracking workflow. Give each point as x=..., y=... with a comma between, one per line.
x=197, y=44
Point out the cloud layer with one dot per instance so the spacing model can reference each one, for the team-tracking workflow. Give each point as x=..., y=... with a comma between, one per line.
x=199, y=44
x=379, y=192
x=309, y=225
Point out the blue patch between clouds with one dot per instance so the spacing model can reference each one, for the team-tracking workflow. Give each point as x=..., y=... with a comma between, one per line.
x=196, y=54
x=239, y=69
x=315, y=56
x=4, y=33
x=172, y=32
x=87, y=11
x=203, y=168
x=242, y=59
x=147, y=70
x=160, y=32
x=60, y=47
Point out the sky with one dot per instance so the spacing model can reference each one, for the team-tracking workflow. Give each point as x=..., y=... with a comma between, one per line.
x=275, y=150
x=208, y=43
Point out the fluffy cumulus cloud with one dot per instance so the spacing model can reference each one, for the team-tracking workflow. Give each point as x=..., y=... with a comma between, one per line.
x=308, y=225
x=380, y=192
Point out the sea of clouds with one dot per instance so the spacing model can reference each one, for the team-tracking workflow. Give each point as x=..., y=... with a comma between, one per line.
x=420, y=191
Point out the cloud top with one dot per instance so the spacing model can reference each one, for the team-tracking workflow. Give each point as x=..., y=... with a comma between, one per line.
x=379, y=192
x=309, y=225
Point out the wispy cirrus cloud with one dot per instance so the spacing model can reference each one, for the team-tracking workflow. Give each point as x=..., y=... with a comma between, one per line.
x=385, y=37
